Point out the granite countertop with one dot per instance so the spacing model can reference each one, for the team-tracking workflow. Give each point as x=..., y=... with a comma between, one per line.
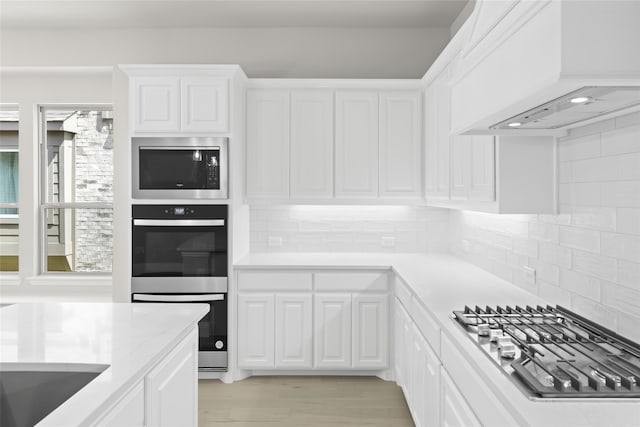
x=130, y=338
x=443, y=283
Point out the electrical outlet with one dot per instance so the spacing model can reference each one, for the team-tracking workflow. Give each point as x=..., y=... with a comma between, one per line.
x=466, y=246
x=388, y=242
x=529, y=275
x=275, y=241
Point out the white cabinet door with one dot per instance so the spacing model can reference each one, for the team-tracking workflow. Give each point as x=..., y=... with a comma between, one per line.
x=356, y=144
x=482, y=169
x=128, y=412
x=404, y=331
x=437, y=128
x=205, y=104
x=294, y=332
x=171, y=388
x=455, y=411
x=155, y=104
x=256, y=334
x=370, y=348
x=460, y=167
x=267, y=160
x=332, y=330
x=425, y=374
x=312, y=144
x=400, y=143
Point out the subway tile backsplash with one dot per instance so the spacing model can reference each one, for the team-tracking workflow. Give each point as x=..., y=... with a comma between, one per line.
x=588, y=256
x=304, y=228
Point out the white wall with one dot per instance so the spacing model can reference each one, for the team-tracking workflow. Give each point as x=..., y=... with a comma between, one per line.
x=588, y=256
x=261, y=52
x=305, y=228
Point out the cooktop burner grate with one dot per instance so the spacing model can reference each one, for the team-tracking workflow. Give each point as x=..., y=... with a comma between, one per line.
x=554, y=352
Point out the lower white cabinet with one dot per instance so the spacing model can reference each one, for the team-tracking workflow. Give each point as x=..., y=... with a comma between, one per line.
x=128, y=412
x=315, y=328
x=171, y=388
x=425, y=386
x=293, y=331
x=332, y=331
x=455, y=411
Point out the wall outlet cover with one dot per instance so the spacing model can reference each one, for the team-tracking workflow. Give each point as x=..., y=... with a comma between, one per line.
x=388, y=242
x=275, y=241
x=529, y=275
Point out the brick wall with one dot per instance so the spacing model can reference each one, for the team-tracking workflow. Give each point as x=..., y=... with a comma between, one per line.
x=588, y=256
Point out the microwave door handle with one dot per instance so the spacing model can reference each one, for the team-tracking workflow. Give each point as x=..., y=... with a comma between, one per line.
x=180, y=222
x=178, y=298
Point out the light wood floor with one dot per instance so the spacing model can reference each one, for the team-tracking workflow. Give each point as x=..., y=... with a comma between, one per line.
x=287, y=401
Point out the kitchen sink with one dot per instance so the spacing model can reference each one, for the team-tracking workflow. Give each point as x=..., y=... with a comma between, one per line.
x=31, y=391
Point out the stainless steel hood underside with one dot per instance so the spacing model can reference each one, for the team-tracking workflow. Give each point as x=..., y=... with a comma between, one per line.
x=580, y=105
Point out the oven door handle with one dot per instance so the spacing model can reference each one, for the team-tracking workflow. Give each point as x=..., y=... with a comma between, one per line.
x=180, y=222
x=178, y=298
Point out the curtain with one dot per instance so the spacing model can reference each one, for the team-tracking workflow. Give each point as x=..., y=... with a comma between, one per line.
x=8, y=180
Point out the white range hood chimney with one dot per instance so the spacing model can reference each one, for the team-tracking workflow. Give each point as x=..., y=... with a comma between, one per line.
x=545, y=66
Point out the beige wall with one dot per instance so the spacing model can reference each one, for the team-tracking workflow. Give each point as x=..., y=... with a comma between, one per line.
x=262, y=52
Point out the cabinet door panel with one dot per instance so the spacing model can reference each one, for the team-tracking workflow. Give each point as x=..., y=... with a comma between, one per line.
x=332, y=331
x=155, y=104
x=294, y=332
x=370, y=331
x=312, y=144
x=128, y=412
x=356, y=144
x=437, y=128
x=267, y=143
x=455, y=411
x=482, y=168
x=256, y=335
x=460, y=166
x=400, y=144
x=171, y=388
x=205, y=105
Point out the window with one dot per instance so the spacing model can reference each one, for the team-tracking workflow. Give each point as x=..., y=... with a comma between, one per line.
x=9, y=189
x=77, y=198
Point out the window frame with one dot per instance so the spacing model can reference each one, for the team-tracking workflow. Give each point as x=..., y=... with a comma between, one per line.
x=43, y=188
x=11, y=218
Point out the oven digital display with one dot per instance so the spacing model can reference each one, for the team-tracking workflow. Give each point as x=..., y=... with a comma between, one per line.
x=178, y=211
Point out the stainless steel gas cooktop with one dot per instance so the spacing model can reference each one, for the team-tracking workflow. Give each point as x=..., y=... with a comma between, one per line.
x=555, y=353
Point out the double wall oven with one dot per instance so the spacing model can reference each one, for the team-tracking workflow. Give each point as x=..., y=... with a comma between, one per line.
x=179, y=255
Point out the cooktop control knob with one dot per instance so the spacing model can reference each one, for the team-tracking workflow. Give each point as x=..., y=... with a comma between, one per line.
x=494, y=334
x=483, y=330
x=506, y=348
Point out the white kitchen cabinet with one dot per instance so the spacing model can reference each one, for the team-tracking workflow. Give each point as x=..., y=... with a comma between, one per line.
x=455, y=411
x=400, y=144
x=204, y=104
x=312, y=144
x=436, y=140
x=403, y=350
x=256, y=330
x=128, y=412
x=171, y=388
x=473, y=168
x=179, y=104
x=332, y=331
x=356, y=144
x=267, y=162
x=156, y=106
x=370, y=333
x=293, y=331
x=425, y=386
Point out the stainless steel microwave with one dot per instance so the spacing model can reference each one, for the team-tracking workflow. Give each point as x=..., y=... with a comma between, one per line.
x=179, y=168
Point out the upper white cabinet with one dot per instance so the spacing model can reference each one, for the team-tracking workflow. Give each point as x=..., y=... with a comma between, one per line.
x=312, y=144
x=473, y=168
x=267, y=143
x=356, y=144
x=436, y=142
x=308, y=144
x=400, y=144
x=179, y=104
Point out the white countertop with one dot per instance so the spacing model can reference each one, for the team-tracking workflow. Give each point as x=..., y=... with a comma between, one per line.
x=130, y=338
x=445, y=283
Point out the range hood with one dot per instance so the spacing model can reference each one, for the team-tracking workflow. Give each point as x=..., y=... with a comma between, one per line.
x=578, y=106
x=546, y=66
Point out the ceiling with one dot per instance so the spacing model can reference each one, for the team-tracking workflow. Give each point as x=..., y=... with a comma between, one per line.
x=32, y=14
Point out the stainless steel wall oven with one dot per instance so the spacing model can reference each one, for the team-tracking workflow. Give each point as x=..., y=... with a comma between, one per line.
x=179, y=254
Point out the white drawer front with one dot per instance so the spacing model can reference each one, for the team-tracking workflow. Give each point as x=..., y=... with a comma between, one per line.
x=427, y=324
x=352, y=281
x=403, y=293
x=273, y=281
